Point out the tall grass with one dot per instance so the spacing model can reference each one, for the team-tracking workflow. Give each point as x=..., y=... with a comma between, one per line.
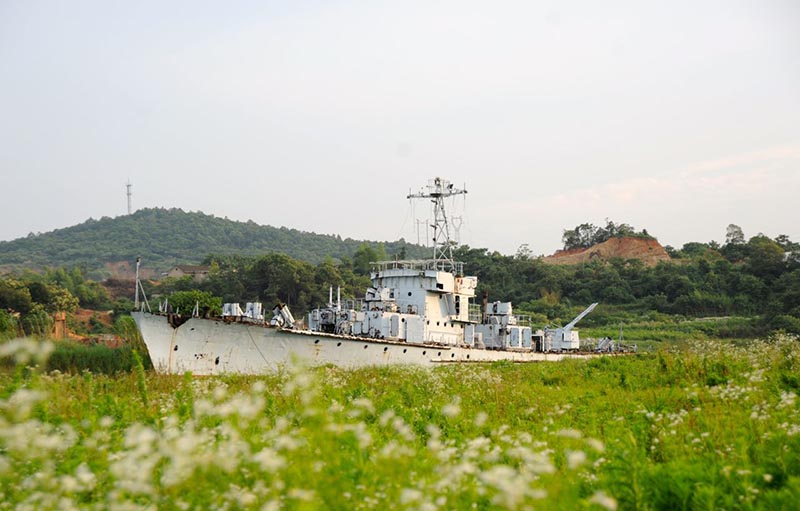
x=70, y=357
x=709, y=426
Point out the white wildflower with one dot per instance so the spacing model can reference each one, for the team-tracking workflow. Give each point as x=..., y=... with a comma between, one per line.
x=85, y=477
x=26, y=350
x=451, y=410
x=601, y=499
x=272, y=505
x=269, y=460
x=569, y=433
x=287, y=443
x=575, y=459
x=22, y=402
x=410, y=495
x=595, y=444
x=385, y=417
x=301, y=494
x=364, y=404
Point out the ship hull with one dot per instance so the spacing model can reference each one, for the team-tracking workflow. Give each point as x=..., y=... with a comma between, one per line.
x=213, y=346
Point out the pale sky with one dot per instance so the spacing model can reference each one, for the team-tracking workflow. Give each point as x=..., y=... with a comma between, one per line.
x=680, y=117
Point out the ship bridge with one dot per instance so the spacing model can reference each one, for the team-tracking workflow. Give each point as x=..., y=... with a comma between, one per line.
x=427, y=274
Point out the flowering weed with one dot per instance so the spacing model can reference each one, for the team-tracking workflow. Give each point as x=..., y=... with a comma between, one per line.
x=711, y=426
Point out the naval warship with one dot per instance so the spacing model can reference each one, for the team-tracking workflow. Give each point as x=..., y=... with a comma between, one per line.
x=417, y=312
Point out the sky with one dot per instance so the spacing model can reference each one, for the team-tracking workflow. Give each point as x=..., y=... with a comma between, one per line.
x=677, y=117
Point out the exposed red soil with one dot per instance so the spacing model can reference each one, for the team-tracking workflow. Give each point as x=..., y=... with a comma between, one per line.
x=649, y=251
x=83, y=317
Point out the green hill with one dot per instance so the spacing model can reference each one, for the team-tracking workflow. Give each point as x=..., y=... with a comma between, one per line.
x=165, y=237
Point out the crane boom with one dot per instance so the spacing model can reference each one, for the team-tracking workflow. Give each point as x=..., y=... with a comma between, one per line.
x=580, y=316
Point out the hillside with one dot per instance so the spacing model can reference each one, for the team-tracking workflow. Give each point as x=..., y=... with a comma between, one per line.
x=165, y=237
x=647, y=250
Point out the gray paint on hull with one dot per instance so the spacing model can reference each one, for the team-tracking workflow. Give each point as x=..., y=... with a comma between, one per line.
x=212, y=346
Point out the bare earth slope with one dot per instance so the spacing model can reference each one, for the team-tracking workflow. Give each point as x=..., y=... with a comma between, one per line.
x=649, y=251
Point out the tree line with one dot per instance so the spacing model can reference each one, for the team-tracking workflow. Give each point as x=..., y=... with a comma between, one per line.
x=166, y=237
x=29, y=300
x=759, y=277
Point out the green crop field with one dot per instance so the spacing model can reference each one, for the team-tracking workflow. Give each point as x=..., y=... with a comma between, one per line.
x=707, y=426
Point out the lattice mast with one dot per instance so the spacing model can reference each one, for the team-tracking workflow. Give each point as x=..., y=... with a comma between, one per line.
x=438, y=190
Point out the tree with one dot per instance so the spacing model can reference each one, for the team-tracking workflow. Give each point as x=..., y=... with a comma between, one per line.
x=8, y=325
x=15, y=296
x=61, y=300
x=366, y=255
x=185, y=302
x=580, y=237
x=765, y=258
x=734, y=235
x=524, y=252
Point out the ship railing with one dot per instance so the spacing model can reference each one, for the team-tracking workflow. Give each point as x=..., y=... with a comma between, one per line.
x=419, y=264
x=523, y=320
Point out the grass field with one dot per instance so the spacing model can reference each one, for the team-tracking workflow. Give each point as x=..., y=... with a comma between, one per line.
x=706, y=426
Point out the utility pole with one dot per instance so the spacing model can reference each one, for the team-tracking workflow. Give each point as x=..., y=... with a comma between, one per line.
x=130, y=207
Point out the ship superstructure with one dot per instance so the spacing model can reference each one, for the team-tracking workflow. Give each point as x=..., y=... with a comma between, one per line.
x=426, y=301
x=415, y=312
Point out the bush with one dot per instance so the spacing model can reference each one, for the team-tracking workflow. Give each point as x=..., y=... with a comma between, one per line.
x=70, y=357
x=784, y=322
x=8, y=325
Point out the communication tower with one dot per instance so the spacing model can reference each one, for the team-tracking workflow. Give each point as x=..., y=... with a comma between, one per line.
x=439, y=190
x=128, y=186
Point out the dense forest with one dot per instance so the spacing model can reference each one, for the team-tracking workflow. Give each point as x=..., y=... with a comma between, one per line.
x=165, y=237
x=757, y=279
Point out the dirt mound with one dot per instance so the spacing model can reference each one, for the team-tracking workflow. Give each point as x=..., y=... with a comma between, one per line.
x=649, y=251
x=85, y=317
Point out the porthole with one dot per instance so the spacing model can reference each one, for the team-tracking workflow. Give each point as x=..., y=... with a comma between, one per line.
x=386, y=349
x=338, y=343
x=402, y=320
x=409, y=293
x=405, y=350
x=316, y=342
x=424, y=352
x=175, y=348
x=452, y=355
x=366, y=346
x=467, y=357
x=439, y=354
x=216, y=362
x=437, y=323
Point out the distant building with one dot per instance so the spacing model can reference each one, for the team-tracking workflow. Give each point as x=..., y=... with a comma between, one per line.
x=198, y=273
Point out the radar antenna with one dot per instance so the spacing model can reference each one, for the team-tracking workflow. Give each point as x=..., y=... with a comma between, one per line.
x=437, y=191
